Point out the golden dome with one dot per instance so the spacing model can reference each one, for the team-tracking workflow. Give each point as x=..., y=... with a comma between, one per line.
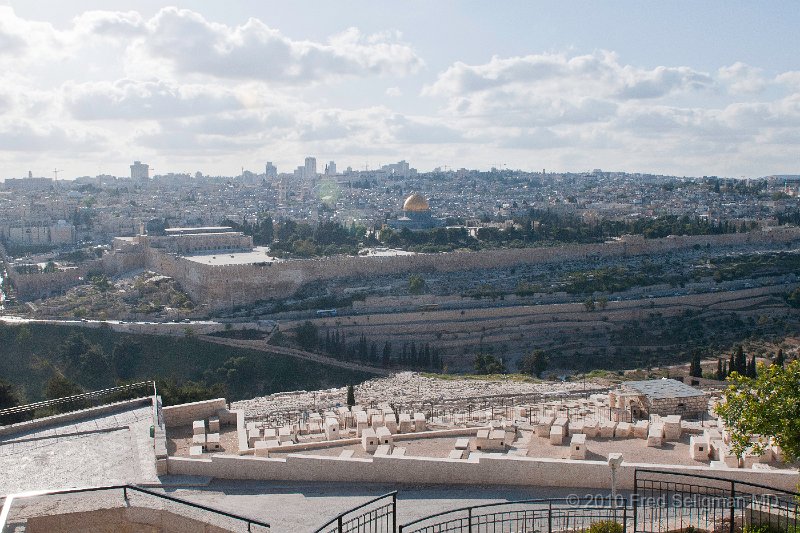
x=416, y=203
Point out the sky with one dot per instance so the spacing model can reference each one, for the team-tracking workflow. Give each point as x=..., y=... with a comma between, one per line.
x=679, y=87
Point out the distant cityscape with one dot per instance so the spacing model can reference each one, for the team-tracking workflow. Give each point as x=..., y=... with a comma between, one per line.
x=42, y=211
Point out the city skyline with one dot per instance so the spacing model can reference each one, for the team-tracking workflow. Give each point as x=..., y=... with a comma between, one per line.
x=676, y=89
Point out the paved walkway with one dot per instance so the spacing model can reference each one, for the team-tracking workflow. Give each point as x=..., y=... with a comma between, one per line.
x=296, y=507
x=101, y=450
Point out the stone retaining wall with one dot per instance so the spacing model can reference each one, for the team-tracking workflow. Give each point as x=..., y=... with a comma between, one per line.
x=485, y=470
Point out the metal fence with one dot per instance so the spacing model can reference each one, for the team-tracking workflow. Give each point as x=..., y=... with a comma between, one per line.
x=378, y=515
x=20, y=510
x=527, y=516
x=661, y=502
x=77, y=402
x=667, y=501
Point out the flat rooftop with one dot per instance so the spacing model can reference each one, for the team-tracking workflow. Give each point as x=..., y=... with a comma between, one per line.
x=204, y=229
x=259, y=254
x=659, y=389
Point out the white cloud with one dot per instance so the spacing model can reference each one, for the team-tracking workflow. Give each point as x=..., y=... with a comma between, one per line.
x=394, y=92
x=193, y=45
x=742, y=78
x=29, y=136
x=594, y=75
x=134, y=100
x=112, y=24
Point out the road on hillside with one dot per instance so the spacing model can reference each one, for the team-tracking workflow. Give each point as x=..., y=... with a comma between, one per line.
x=262, y=346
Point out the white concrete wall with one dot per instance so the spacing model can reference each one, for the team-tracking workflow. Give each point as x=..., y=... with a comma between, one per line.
x=487, y=469
x=177, y=415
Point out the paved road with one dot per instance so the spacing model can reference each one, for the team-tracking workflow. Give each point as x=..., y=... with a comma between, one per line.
x=262, y=346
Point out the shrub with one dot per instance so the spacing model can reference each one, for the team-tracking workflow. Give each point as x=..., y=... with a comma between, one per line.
x=606, y=526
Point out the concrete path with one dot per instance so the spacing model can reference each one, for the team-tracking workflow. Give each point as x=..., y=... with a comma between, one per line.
x=100, y=450
x=297, y=507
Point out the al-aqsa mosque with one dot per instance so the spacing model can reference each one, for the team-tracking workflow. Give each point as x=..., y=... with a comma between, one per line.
x=416, y=215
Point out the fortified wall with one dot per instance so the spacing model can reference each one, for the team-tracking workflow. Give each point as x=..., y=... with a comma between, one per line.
x=225, y=286
x=231, y=285
x=41, y=285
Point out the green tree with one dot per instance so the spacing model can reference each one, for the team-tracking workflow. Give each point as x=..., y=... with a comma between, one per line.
x=740, y=361
x=780, y=360
x=695, y=370
x=416, y=285
x=307, y=335
x=351, y=396
x=9, y=397
x=59, y=386
x=589, y=304
x=534, y=363
x=768, y=406
x=720, y=370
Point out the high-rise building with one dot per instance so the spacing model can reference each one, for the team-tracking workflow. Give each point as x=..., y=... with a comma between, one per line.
x=310, y=169
x=140, y=171
x=271, y=171
x=330, y=169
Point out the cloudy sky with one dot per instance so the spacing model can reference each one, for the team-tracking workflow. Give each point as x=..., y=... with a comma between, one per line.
x=686, y=88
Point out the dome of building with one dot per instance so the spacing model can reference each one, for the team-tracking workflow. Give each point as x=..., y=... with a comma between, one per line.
x=416, y=203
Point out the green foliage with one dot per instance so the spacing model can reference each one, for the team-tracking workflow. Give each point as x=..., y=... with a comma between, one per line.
x=416, y=285
x=695, y=370
x=606, y=526
x=173, y=393
x=351, y=396
x=767, y=405
x=59, y=387
x=793, y=298
x=31, y=364
x=307, y=335
x=488, y=364
x=534, y=363
x=9, y=397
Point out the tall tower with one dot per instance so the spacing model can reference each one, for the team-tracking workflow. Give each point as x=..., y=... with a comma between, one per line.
x=310, y=168
x=271, y=170
x=140, y=171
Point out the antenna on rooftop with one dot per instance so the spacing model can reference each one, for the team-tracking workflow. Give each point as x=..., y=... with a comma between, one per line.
x=56, y=171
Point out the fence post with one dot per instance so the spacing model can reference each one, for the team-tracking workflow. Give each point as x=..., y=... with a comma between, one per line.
x=125, y=494
x=625, y=517
x=339, y=524
x=635, y=499
x=394, y=512
x=549, y=517
x=469, y=520
x=733, y=505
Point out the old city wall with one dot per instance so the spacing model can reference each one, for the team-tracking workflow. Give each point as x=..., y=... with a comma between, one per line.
x=232, y=285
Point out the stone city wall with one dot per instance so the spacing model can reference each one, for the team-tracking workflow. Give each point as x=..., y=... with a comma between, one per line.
x=486, y=470
x=232, y=285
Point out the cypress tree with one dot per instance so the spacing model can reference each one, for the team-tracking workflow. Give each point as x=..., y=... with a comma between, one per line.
x=780, y=359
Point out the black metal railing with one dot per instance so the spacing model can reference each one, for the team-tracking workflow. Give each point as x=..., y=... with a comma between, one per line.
x=528, y=516
x=669, y=501
x=201, y=513
x=378, y=515
x=77, y=401
x=661, y=502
